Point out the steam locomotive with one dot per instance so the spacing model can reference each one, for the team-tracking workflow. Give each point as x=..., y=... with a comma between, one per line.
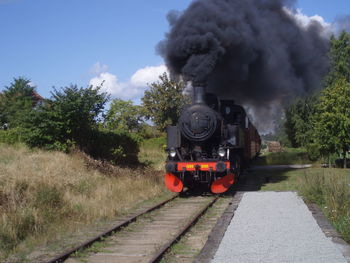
x=210, y=146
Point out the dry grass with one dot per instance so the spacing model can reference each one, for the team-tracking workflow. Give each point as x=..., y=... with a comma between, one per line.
x=42, y=193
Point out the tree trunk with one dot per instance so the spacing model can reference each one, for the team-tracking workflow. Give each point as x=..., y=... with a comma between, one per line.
x=344, y=158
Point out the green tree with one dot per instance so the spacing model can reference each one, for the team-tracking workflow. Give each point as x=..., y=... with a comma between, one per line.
x=298, y=123
x=340, y=58
x=280, y=133
x=332, y=119
x=124, y=115
x=16, y=102
x=3, y=116
x=163, y=102
x=68, y=118
x=332, y=113
x=321, y=124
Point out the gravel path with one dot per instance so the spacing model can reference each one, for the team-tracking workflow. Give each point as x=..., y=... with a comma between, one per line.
x=275, y=227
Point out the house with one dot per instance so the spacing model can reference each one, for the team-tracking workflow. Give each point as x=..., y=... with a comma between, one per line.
x=37, y=99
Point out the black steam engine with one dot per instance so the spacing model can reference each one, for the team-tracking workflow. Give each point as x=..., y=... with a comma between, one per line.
x=211, y=144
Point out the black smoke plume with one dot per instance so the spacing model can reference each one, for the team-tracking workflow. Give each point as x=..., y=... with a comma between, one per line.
x=252, y=51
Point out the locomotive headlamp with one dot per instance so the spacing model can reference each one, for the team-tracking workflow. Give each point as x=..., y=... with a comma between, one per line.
x=221, y=152
x=172, y=153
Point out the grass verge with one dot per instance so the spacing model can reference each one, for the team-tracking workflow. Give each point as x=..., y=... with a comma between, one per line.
x=44, y=195
x=288, y=156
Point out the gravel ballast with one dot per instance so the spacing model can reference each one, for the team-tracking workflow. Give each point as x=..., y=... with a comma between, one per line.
x=275, y=227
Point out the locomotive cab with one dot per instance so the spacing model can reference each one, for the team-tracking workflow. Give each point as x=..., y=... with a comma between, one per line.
x=236, y=123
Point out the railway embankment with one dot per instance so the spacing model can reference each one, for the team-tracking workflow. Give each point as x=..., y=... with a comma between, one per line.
x=49, y=199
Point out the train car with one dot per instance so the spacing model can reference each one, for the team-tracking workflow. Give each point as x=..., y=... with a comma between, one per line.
x=211, y=144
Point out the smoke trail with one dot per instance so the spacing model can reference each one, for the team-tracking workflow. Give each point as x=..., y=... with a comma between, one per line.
x=253, y=51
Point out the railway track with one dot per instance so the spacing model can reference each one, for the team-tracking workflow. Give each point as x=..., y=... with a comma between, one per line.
x=146, y=236
x=124, y=223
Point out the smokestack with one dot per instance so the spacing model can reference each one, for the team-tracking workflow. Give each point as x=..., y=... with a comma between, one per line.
x=198, y=95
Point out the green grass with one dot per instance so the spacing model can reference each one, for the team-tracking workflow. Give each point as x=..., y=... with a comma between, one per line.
x=288, y=156
x=152, y=153
x=155, y=143
x=96, y=247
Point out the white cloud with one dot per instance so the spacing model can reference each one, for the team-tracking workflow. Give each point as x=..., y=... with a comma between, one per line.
x=305, y=21
x=132, y=89
x=98, y=68
x=108, y=81
x=32, y=84
x=147, y=75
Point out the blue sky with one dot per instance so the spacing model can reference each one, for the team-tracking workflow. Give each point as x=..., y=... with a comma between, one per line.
x=59, y=42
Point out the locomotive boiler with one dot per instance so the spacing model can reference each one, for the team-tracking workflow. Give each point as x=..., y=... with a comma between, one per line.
x=211, y=144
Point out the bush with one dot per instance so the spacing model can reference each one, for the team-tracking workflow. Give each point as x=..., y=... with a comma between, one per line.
x=148, y=132
x=288, y=156
x=16, y=102
x=11, y=136
x=119, y=147
x=339, y=163
x=155, y=143
x=313, y=151
x=67, y=119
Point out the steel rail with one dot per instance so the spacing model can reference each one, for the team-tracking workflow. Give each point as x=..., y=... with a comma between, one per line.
x=157, y=257
x=65, y=255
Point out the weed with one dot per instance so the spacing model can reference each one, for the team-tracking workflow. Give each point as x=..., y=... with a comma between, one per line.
x=48, y=197
x=331, y=191
x=182, y=248
x=96, y=247
x=16, y=226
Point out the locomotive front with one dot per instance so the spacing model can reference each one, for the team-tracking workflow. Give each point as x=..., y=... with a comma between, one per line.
x=196, y=156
